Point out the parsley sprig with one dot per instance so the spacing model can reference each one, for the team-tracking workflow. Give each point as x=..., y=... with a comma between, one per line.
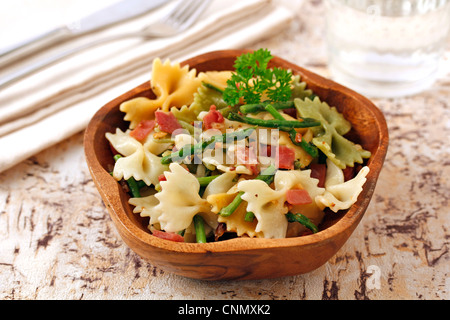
x=252, y=79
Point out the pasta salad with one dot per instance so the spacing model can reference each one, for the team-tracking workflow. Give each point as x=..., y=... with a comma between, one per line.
x=250, y=152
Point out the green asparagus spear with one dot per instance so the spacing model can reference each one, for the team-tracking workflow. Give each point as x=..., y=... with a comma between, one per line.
x=211, y=86
x=308, y=147
x=283, y=125
x=298, y=217
x=204, y=181
x=229, y=209
x=249, y=216
x=267, y=176
x=199, y=225
x=274, y=112
x=199, y=147
x=258, y=107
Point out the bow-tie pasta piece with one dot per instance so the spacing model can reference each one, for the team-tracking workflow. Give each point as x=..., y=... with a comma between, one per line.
x=137, y=161
x=203, y=99
x=173, y=86
x=328, y=137
x=155, y=146
x=175, y=206
x=219, y=185
x=235, y=222
x=217, y=79
x=299, y=89
x=179, y=200
x=146, y=207
x=313, y=211
x=268, y=205
x=340, y=195
x=220, y=193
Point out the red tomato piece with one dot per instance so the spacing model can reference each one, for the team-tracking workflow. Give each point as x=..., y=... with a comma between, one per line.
x=162, y=177
x=143, y=129
x=298, y=197
x=167, y=121
x=319, y=171
x=213, y=116
x=168, y=236
x=285, y=157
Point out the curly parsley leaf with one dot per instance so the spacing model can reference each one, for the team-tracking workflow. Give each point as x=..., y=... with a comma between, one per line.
x=252, y=79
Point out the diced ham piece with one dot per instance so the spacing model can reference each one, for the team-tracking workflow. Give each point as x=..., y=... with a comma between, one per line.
x=247, y=157
x=168, y=236
x=298, y=197
x=265, y=150
x=143, y=129
x=285, y=157
x=213, y=116
x=167, y=121
x=319, y=171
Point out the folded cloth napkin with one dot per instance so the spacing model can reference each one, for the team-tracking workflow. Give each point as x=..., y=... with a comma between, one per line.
x=47, y=107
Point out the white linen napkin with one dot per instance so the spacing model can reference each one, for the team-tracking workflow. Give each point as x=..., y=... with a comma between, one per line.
x=54, y=104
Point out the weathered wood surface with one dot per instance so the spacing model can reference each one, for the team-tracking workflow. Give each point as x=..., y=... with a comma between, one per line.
x=58, y=242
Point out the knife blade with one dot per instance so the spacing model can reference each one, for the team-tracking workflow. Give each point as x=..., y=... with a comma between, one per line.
x=117, y=12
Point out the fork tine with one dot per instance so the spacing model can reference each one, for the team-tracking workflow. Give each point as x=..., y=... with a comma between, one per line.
x=189, y=7
x=188, y=12
x=181, y=8
x=197, y=11
x=178, y=10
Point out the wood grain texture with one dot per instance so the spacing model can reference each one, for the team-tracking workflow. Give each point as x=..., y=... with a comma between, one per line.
x=57, y=240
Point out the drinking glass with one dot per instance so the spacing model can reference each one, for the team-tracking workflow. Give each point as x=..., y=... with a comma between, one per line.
x=386, y=48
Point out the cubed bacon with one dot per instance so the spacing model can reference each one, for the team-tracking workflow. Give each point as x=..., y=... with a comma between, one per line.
x=168, y=236
x=298, y=197
x=143, y=129
x=265, y=150
x=213, y=116
x=167, y=121
x=285, y=157
x=247, y=157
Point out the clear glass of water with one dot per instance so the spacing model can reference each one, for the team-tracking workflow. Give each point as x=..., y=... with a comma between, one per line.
x=386, y=48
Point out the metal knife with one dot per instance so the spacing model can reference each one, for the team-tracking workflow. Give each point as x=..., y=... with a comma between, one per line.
x=114, y=13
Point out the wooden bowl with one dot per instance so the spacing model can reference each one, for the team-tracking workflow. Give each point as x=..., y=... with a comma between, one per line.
x=239, y=258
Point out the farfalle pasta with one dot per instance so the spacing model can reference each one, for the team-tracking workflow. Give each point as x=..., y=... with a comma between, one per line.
x=250, y=152
x=138, y=161
x=172, y=85
x=329, y=136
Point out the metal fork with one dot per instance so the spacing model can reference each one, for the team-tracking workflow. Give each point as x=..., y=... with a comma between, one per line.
x=181, y=17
